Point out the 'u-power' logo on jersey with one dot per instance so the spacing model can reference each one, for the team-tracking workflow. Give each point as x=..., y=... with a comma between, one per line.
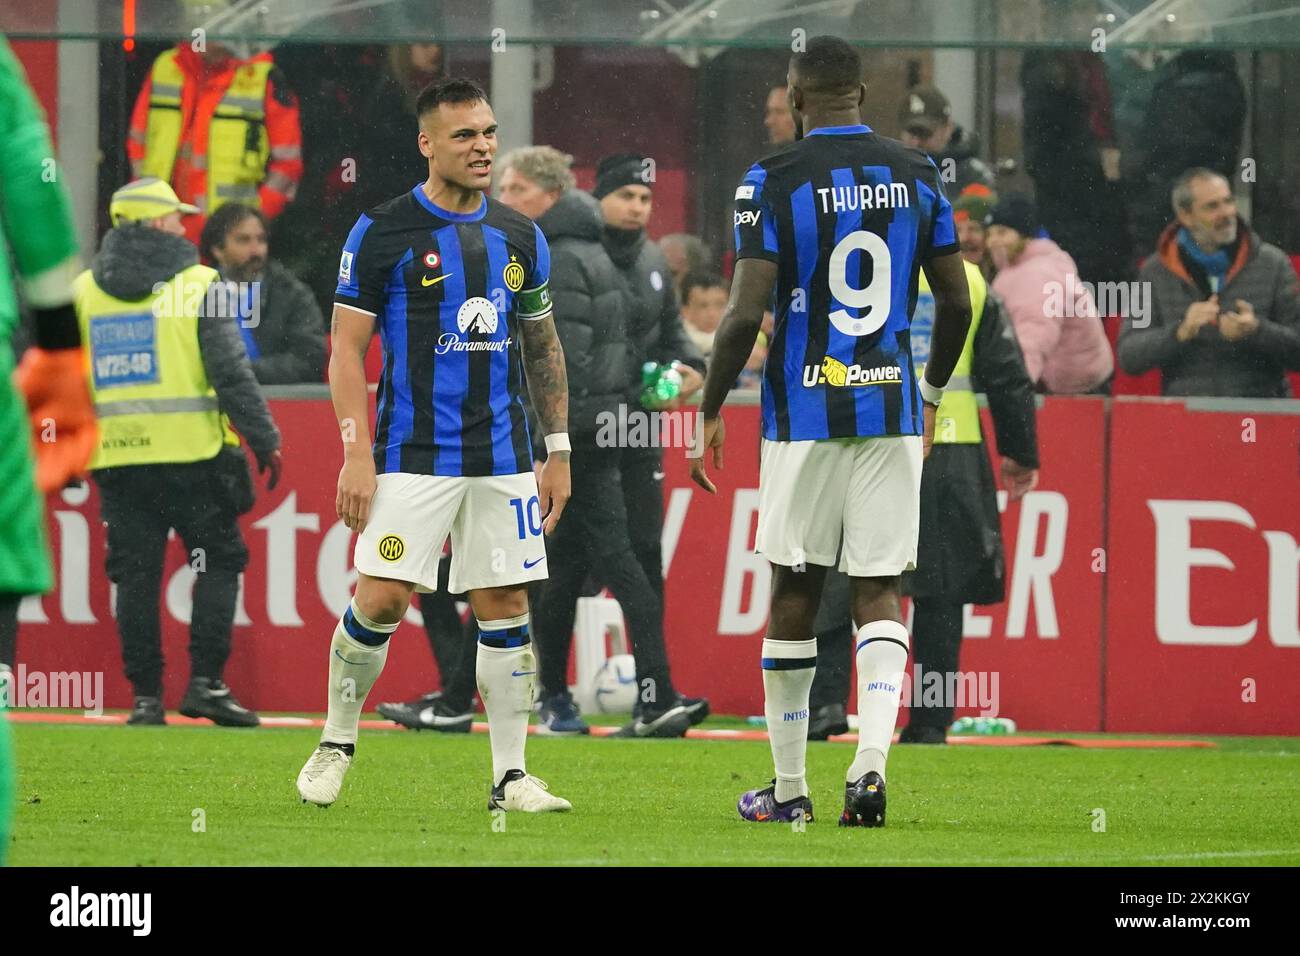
x=795, y=715
x=835, y=373
x=391, y=547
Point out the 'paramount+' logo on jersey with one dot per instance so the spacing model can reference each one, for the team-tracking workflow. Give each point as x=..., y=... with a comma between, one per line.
x=835, y=373
x=477, y=316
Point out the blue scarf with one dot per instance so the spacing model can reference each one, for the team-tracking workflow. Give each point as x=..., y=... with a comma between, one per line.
x=1214, y=263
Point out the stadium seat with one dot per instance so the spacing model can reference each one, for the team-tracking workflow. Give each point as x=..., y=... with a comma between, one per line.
x=1125, y=384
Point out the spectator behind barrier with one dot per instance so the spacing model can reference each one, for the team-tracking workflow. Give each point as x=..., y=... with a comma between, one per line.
x=1195, y=118
x=282, y=325
x=969, y=210
x=777, y=117
x=1070, y=154
x=1224, y=317
x=219, y=126
x=925, y=118
x=1053, y=313
x=685, y=254
x=704, y=300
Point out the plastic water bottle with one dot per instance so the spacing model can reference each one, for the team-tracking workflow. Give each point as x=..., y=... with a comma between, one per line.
x=659, y=384
x=983, y=726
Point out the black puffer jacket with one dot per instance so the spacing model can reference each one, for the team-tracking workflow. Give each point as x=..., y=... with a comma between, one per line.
x=655, y=331
x=590, y=311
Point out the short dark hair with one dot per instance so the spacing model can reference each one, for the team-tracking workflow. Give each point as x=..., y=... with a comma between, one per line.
x=828, y=65
x=700, y=280
x=457, y=89
x=221, y=222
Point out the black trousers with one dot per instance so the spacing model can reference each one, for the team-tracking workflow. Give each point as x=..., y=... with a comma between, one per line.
x=139, y=504
x=594, y=537
x=641, y=472
x=936, y=648
x=453, y=642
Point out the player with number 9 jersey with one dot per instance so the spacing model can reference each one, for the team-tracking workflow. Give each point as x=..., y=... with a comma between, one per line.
x=839, y=223
x=848, y=216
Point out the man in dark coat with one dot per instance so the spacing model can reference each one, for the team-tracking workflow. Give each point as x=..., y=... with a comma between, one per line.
x=283, y=330
x=624, y=187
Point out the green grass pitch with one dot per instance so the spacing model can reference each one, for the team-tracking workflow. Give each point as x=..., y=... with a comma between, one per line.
x=119, y=796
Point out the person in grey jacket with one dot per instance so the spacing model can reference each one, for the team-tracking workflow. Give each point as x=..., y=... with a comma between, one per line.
x=283, y=331
x=1224, y=315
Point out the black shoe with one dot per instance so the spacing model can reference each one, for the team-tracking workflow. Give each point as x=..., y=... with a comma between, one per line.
x=697, y=708
x=429, y=712
x=864, y=802
x=673, y=721
x=210, y=698
x=917, y=734
x=827, y=721
x=148, y=711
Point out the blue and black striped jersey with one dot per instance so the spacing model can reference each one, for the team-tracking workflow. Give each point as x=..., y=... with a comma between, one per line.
x=848, y=216
x=448, y=291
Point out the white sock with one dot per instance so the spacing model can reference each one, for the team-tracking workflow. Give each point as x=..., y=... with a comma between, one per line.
x=506, y=672
x=355, y=665
x=788, y=668
x=882, y=648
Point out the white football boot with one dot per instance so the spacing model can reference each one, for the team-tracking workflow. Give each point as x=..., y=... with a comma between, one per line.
x=322, y=776
x=524, y=792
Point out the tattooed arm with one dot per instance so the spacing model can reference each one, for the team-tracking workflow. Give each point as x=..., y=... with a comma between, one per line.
x=548, y=387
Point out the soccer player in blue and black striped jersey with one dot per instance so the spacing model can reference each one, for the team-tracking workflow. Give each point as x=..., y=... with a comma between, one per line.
x=840, y=222
x=457, y=285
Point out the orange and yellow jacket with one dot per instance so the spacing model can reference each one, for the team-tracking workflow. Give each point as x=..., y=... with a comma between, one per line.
x=219, y=131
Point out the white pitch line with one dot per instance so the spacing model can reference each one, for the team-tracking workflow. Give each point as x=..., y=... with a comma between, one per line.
x=1086, y=861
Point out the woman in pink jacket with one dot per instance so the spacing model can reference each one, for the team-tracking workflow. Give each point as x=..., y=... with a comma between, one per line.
x=1053, y=312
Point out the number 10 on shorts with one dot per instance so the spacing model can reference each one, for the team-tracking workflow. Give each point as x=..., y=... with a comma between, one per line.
x=533, y=511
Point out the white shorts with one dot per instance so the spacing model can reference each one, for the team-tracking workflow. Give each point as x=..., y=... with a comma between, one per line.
x=867, y=489
x=495, y=524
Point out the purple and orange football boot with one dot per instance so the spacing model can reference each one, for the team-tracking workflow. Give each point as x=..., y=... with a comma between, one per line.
x=761, y=806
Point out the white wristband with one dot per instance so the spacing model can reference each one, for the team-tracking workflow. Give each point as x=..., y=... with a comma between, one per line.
x=930, y=394
x=557, y=442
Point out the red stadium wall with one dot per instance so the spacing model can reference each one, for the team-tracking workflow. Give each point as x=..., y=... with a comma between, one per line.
x=1169, y=605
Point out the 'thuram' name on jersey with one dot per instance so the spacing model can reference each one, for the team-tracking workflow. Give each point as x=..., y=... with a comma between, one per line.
x=848, y=216
x=448, y=291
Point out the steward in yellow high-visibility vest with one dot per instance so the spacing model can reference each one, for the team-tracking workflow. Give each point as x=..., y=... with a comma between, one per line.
x=168, y=376
x=959, y=553
x=959, y=556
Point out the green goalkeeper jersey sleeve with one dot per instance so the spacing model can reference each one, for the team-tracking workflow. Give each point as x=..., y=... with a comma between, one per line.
x=35, y=220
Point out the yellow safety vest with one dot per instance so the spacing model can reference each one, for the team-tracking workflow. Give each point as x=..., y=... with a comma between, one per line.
x=957, y=421
x=238, y=148
x=151, y=392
